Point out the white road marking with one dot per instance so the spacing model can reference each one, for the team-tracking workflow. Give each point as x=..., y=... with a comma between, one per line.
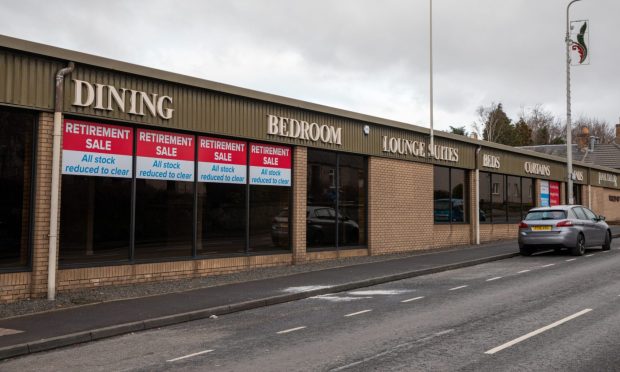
x=571, y=259
x=290, y=330
x=548, y=265
x=590, y=255
x=604, y=251
x=359, y=312
x=536, y=332
x=305, y=288
x=379, y=292
x=492, y=279
x=459, y=287
x=412, y=299
x=524, y=271
x=334, y=298
x=8, y=331
x=189, y=356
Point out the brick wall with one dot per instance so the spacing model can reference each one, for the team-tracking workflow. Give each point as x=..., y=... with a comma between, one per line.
x=300, y=194
x=492, y=232
x=69, y=279
x=602, y=205
x=401, y=209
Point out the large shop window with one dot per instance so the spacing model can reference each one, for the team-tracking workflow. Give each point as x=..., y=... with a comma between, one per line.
x=270, y=195
x=193, y=196
x=95, y=217
x=449, y=195
x=336, y=199
x=504, y=199
x=16, y=155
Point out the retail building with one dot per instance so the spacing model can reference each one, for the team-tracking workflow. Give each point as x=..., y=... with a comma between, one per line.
x=163, y=176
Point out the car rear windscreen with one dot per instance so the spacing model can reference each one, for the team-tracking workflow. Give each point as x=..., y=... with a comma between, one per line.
x=546, y=215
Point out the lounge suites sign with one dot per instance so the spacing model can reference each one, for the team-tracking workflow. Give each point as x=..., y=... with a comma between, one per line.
x=419, y=149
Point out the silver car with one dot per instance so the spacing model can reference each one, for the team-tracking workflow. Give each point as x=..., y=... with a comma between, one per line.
x=565, y=226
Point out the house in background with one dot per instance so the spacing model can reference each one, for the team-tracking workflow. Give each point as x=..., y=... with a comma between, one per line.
x=587, y=150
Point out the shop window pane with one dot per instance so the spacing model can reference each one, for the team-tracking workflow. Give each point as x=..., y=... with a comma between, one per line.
x=352, y=200
x=576, y=194
x=441, y=194
x=164, y=219
x=514, y=198
x=269, y=218
x=16, y=136
x=498, y=198
x=527, y=195
x=459, y=199
x=221, y=218
x=484, y=213
x=95, y=219
x=321, y=210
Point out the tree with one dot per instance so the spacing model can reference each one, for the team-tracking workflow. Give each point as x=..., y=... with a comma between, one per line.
x=523, y=133
x=458, y=130
x=597, y=128
x=545, y=127
x=497, y=126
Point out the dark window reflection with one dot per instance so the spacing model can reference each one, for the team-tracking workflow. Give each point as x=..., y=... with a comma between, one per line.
x=336, y=212
x=164, y=219
x=513, y=189
x=498, y=197
x=352, y=200
x=95, y=219
x=459, y=201
x=321, y=210
x=576, y=194
x=527, y=196
x=221, y=218
x=485, y=197
x=441, y=194
x=269, y=218
x=16, y=136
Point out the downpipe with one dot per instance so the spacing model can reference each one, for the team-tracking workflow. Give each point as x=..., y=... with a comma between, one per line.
x=476, y=220
x=52, y=259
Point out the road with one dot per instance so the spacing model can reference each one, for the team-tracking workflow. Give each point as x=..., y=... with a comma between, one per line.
x=547, y=312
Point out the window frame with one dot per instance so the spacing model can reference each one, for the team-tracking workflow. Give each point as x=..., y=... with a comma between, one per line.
x=466, y=216
x=490, y=220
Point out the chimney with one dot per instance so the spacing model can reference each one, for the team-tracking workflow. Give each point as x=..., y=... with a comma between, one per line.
x=593, y=141
x=618, y=134
x=582, y=139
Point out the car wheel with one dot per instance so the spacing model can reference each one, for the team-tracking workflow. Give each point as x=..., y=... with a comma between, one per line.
x=607, y=244
x=580, y=248
x=526, y=251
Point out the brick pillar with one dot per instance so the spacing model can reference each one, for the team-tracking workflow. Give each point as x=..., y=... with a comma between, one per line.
x=300, y=195
x=43, y=171
x=474, y=218
x=563, y=193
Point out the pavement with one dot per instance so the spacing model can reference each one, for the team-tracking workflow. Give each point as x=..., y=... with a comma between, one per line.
x=53, y=329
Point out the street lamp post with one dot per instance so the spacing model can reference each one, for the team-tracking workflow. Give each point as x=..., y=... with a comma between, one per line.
x=569, y=127
x=432, y=144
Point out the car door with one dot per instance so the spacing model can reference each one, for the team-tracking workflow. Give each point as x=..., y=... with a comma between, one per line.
x=598, y=228
x=587, y=225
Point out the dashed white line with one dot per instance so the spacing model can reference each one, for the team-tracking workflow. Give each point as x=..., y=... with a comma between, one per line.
x=359, y=312
x=189, y=356
x=459, y=287
x=536, y=332
x=291, y=330
x=571, y=259
x=412, y=299
x=548, y=265
x=524, y=271
x=492, y=279
x=590, y=255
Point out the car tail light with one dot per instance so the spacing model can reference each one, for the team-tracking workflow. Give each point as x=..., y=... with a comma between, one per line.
x=523, y=225
x=565, y=223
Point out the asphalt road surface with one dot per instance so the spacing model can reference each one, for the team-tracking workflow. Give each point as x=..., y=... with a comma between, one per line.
x=548, y=312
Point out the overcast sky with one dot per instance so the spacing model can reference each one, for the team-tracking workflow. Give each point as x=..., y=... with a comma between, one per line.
x=359, y=55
